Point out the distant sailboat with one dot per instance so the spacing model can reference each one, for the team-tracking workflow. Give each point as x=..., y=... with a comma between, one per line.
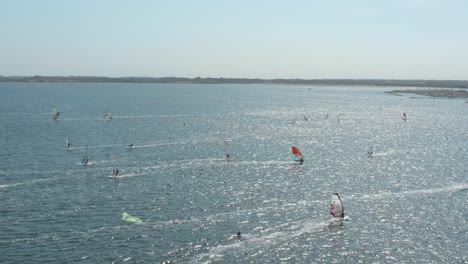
x=336, y=207
x=297, y=155
x=108, y=115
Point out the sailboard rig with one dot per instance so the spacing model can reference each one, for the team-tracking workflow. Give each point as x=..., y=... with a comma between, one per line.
x=115, y=172
x=370, y=152
x=85, y=159
x=336, y=207
x=226, y=150
x=56, y=114
x=108, y=115
x=297, y=155
x=67, y=143
x=130, y=218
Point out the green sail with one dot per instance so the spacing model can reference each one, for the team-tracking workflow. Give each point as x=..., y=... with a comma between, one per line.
x=129, y=218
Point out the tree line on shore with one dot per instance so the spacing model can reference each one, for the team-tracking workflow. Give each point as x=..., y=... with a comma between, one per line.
x=341, y=82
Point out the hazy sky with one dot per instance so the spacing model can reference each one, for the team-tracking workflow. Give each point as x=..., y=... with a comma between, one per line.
x=394, y=39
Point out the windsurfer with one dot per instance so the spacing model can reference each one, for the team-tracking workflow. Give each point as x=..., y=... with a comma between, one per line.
x=239, y=235
x=228, y=157
x=115, y=172
x=337, y=209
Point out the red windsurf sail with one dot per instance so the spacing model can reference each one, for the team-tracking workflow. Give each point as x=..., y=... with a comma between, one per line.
x=297, y=155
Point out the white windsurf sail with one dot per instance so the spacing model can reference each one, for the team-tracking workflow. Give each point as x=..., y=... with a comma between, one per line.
x=108, y=115
x=67, y=143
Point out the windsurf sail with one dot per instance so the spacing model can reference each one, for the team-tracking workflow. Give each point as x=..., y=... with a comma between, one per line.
x=297, y=155
x=108, y=115
x=85, y=159
x=370, y=152
x=336, y=208
x=56, y=114
x=67, y=143
x=226, y=149
x=130, y=218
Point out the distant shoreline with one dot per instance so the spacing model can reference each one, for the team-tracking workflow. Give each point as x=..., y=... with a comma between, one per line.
x=434, y=93
x=462, y=84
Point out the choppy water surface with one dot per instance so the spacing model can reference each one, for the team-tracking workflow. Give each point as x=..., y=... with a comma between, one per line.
x=406, y=204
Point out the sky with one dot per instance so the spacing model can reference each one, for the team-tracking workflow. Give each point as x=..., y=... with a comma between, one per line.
x=306, y=39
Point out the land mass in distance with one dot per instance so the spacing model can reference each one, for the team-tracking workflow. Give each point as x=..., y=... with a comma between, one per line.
x=434, y=93
x=344, y=82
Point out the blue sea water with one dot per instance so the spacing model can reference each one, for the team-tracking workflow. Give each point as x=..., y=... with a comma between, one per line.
x=406, y=204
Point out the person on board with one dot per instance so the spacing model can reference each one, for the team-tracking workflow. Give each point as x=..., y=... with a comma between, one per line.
x=68, y=145
x=228, y=157
x=85, y=161
x=301, y=160
x=115, y=172
x=239, y=235
x=404, y=117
